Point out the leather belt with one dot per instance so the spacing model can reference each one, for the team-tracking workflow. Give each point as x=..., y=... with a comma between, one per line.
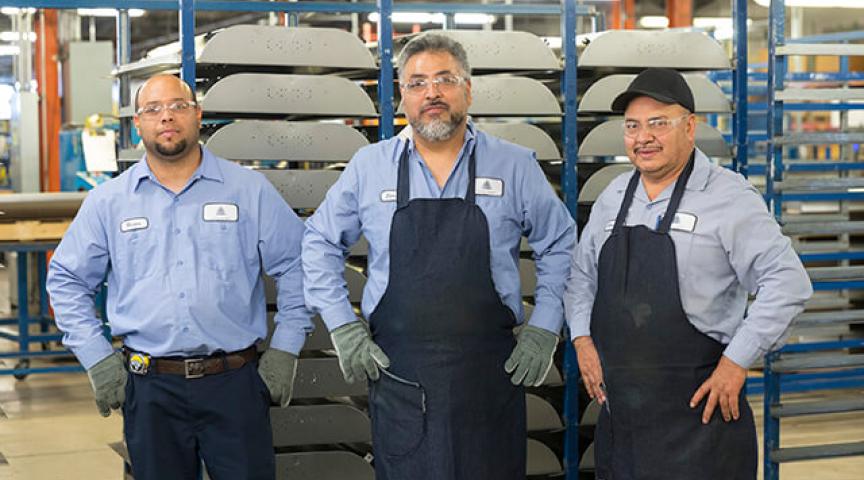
x=197, y=367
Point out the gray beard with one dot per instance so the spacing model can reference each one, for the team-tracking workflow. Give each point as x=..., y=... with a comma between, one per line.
x=438, y=130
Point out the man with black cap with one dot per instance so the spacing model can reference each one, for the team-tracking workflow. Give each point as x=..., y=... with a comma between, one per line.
x=657, y=298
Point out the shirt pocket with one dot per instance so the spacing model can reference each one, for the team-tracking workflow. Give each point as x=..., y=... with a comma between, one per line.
x=225, y=249
x=138, y=256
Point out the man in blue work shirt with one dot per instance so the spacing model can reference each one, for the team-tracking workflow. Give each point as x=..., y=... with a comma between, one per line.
x=184, y=237
x=443, y=212
x=660, y=283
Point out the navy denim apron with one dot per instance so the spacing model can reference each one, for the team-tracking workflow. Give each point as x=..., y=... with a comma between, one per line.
x=446, y=409
x=653, y=362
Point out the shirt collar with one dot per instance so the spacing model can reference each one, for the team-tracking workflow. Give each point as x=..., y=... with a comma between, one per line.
x=208, y=169
x=698, y=179
x=467, y=144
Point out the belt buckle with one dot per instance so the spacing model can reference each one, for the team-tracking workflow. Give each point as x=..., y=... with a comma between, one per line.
x=194, y=367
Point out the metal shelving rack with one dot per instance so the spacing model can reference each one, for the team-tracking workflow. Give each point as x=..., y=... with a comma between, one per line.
x=827, y=364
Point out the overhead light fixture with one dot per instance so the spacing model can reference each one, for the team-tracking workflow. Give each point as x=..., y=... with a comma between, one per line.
x=816, y=3
x=652, y=21
x=552, y=42
x=15, y=36
x=721, y=26
x=16, y=11
x=474, y=19
x=108, y=12
x=6, y=50
x=436, y=18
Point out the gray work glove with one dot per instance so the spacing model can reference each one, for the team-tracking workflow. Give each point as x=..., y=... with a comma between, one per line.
x=359, y=356
x=532, y=357
x=108, y=379
x=278, y=369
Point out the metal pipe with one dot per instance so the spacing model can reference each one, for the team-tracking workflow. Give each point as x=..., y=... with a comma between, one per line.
x=570, y=189
x=187, y=42
x=385, y=76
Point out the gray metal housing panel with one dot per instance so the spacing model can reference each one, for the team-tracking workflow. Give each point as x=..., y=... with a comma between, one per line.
x=302, y=188
x=541, y=460
x=321, y=377
x=526, y=135
x=272, y=94
x=527, y=277
x=354, y=278
x=499, y=95
x=651, y=48
x=319, y=425
x=607, y=140
x=600, y=180
x=541, y=415
x=498, y=50
x=31, y=206
x=291, y=141
x=327, y=465
x=290, y=47
x=708, y=95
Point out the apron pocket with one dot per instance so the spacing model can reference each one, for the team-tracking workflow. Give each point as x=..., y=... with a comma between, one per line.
x=398, y=415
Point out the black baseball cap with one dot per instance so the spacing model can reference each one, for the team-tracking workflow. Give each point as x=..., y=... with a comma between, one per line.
x=662, y=84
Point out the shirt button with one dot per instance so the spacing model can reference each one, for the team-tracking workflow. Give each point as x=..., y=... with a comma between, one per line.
x=179, y=263
x=185, y=329
x=182, y=295
x=176, y=231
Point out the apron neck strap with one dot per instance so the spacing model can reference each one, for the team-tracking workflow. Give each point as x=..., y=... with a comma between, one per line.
x=625, y=204
x=403, y=181
x=680, y=184
x=472, y=176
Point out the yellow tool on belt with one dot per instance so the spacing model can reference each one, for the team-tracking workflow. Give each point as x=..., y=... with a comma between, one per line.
x=139, y=363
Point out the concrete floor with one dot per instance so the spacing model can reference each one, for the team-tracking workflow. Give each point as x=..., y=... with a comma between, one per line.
x=50, y=429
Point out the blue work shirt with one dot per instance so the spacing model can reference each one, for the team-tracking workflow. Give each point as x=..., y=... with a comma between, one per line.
x=727, y=247
x=183, y=270
x=512, y=191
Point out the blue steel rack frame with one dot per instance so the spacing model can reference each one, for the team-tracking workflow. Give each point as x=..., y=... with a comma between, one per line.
x=776, y=383
x=569, y=11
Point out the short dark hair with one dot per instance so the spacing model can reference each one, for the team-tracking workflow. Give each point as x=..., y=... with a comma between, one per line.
x=434, y=42
x=138, y=92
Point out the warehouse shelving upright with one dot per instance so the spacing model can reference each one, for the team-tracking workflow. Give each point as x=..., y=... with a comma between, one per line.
x=824, y=240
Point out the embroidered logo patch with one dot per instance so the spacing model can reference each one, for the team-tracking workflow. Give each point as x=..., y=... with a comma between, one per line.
x=221, y=212
x=492, y=187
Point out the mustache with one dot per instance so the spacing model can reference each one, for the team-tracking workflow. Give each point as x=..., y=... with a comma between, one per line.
x=435, y=104
x=648, y=146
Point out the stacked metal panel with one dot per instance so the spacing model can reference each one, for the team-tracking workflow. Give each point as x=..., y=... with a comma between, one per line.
x=611, y=60
x=282, y=100
x=511, y=99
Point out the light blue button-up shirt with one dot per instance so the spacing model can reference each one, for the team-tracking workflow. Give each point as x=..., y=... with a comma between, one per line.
x=183, y=270
x=727, y=246
x=517, y=201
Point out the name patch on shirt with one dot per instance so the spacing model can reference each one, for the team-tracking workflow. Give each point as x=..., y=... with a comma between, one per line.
x=492, y=187
x=684, y=222
x=388, y=195
x=132, y=224
x=221, y=212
